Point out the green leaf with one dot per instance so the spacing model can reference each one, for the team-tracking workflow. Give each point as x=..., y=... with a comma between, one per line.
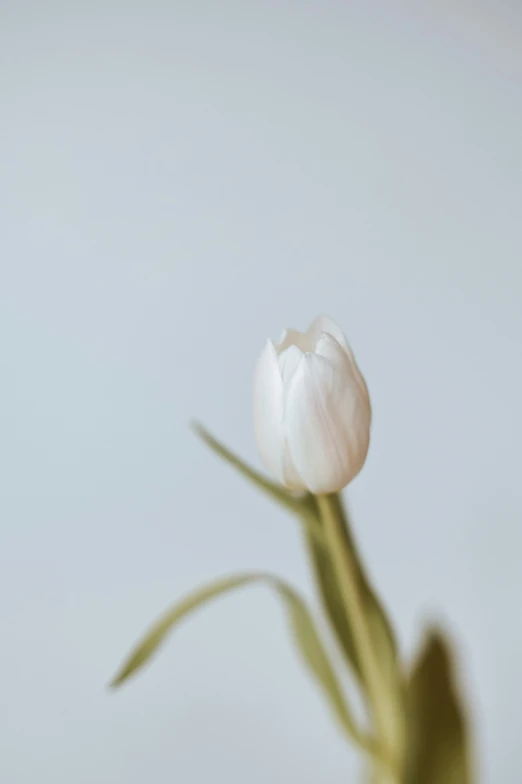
x=299, y=504
x=301, y=622
x=438, y=750
x=274, y=490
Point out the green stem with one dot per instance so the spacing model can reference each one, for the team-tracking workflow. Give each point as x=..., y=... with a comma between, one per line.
x=345, y=569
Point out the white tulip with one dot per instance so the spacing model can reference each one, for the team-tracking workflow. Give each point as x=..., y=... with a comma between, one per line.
x=312, y=412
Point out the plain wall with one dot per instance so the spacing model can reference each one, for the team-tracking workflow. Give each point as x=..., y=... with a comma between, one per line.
x=179, y=181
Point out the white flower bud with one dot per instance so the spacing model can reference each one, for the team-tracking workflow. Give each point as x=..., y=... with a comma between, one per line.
x=312, y=412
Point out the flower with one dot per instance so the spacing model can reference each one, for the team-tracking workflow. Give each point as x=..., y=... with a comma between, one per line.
x=312, y=411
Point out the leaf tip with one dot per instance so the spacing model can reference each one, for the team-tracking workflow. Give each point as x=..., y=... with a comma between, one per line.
x=116, y=681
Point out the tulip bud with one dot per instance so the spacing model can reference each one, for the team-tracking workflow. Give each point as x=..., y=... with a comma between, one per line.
x=312, y=412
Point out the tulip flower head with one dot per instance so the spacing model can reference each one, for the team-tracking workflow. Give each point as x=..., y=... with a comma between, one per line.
x=312, y=411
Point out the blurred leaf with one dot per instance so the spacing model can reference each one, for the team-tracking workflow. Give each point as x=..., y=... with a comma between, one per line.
x=297, y=504
x=158, y=632
x=437, y=733
x=301, y=622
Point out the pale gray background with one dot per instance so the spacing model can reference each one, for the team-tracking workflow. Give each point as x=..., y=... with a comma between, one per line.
x=177, y=182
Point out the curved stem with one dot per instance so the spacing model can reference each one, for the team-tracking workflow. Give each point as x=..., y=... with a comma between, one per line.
x=346, y=573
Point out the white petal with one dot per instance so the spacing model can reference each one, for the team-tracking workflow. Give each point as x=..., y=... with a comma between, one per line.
x=325, y=324
x=288, y=361
x=327, y=344
x=292, y=480
x=329, y=348
x=268, y=411
x=292, y=337
x=326, y=423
